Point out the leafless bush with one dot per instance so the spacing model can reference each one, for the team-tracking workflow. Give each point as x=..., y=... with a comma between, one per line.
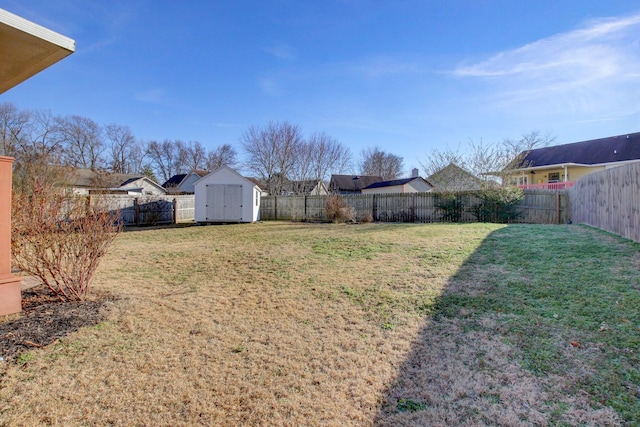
x=338, y=211
x=365, y=219
x=59, y=239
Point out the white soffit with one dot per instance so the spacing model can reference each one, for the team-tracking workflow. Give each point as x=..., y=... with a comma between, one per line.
x=27, y=48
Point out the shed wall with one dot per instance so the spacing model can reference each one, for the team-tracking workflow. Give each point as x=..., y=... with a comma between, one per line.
x=227, y=176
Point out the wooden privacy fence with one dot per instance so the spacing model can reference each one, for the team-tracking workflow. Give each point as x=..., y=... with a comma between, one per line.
x=538, y=206
x=147, y=210
x=609, y=200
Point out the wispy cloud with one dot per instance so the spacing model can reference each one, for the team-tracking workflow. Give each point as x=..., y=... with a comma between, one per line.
x=602, y=47
x=382, y=66
x=269, y=86
x=152, y=96
x=113, y=23
x=281, y=51
x=593, y=70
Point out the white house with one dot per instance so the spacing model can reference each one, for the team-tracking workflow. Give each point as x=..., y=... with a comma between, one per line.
x=85, y=181
x=142, y=186
x=226, y=196
x=406, y=185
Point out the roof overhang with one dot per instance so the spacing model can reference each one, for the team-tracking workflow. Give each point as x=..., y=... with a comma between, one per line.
x=27, y=48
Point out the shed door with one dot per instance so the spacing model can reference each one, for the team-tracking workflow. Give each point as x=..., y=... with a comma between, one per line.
x=224, y=202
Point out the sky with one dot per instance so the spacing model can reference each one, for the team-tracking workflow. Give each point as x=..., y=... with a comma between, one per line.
x=406, y=76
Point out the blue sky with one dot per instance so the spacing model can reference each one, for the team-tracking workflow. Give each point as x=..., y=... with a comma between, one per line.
x=406, y=76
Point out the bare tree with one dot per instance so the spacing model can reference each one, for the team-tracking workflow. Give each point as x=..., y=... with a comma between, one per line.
x=271, y=152
x=439, y=159
x=488, y=162
x=316, y=158
x=514, y=149
x=375, y=162
x=195, y=155
x=167, y=158
x=83, y=143
x=328, y=156
x=38, y=153
x=126, y=154
x=12, y=128
x=224, y=155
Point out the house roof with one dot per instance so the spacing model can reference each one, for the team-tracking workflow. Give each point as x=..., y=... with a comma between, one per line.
x=90, y=178
x=453, y=177
x=612, y=149
x=303, y=186
x=352, y=182
x=175, y=180
x=395, y=182
x=137, y=180
x=200, y=173
x=27, y=48
x=257, y=183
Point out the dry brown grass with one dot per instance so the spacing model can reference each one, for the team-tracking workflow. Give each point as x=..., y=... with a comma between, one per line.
x=282, y=324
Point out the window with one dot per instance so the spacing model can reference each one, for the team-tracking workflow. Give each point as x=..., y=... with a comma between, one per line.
x=257, y=198
x=523, y=180
x=554, y=176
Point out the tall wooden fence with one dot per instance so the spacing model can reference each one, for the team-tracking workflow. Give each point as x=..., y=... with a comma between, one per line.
x=609, y=200
x=538, y=206
x=147, y=210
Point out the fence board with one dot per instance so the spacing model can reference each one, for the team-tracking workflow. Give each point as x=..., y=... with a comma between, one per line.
x=147, y=210
x=609, y=200
x=538, y=206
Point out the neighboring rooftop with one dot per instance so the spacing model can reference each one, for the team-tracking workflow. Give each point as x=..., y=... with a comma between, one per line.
x=351, y=183
x=174, y=181
x=453, y=178
x=393, y=183
x=612, y=149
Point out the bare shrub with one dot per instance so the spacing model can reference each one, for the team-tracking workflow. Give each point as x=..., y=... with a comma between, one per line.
x=338, y=211
x=60, y=239
x=366, y=219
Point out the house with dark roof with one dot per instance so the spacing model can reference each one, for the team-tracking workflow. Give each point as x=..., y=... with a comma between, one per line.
x=173, y=182
x=183, y=183
x=351, y=184
x=414, y=184
x=560, y=166
x=454, y=178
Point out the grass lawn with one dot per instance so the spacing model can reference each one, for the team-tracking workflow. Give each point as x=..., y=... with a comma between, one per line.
x=377, y=324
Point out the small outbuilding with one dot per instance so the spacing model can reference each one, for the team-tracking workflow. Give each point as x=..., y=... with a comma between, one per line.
x=226, y=196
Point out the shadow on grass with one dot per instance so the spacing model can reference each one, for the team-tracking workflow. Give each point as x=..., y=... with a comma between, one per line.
x=538, y=327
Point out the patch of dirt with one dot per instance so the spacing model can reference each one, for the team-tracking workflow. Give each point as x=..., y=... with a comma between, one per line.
x=45, y=319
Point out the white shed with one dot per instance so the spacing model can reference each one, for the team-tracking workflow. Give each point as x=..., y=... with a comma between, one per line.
x=226, y=196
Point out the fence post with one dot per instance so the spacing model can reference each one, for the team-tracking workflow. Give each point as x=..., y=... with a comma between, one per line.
x=175, y=211
x=136, y=206
x=558, y=208
x=275, y=207
x=304, y=218
x=374, y=207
